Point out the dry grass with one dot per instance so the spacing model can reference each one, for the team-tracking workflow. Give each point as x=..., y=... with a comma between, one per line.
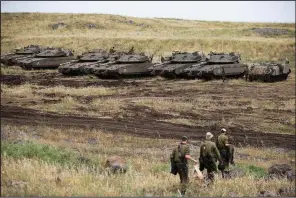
x=108, y=104
x=163, y=105
x=23, y=91
x=148, y=167
x=82, y=183
x=84, y=91
x=157, y=36
x=69, y=104
x=27, y=90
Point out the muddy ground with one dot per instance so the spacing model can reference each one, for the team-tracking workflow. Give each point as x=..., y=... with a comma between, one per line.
x=143, y=121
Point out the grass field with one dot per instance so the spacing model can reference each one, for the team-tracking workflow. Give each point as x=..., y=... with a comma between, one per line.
x=48, y=153
x=157, y=36
x=40, y=159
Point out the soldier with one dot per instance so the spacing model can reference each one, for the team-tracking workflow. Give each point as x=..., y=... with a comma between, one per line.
x=223, y=74
x=179, y=156
x=247, y=73
x=131, y=51
x=209, y=155
x=286, y=61
x=112, y=50
x=226, y=152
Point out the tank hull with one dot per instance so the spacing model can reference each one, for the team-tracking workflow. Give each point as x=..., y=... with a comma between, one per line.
x=46, y=63
x=268, y=73
x=268, y=78
x=173, y=70
x=123, y=70
x=212, y=71
x=9, y=58
x=76, y=68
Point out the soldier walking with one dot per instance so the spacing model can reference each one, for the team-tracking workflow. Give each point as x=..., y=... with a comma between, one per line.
x=226, y=151
x=223, y=74
x=112, y=50
x=209, y=155
x=179, y=156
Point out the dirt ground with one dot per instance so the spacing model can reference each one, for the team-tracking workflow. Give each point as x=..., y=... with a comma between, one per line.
x=148, y=122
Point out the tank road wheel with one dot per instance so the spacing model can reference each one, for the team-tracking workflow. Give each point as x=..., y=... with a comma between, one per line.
x=267, y=78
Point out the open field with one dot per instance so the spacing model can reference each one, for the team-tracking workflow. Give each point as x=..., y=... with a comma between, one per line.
x=57, y=131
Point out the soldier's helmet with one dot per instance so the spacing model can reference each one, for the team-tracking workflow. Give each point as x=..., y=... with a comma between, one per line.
x=184, y=138
x=209, y=135
x=223, y=130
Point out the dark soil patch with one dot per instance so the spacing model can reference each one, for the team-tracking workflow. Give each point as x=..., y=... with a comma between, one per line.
x=147, y=128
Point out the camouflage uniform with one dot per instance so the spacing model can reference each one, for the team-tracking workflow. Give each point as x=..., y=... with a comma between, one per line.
x=208, y=157
x=226, y=153
x=182, y=164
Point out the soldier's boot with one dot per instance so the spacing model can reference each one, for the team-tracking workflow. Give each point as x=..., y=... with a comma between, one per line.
x=232, y=162
x=226, y=174
x=223, y=174
x=183, y=193
x=211, y=177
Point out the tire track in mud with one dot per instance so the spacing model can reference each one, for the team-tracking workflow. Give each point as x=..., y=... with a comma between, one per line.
x=148, y=128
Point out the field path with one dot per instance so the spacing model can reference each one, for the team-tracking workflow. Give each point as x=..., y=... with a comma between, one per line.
x=147, y=128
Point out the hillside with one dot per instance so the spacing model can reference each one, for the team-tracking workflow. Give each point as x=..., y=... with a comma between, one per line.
x=156, y=36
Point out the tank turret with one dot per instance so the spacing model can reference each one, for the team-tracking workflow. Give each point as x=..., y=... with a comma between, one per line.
x=173, y=66
x=50, y=58
x=124, y=64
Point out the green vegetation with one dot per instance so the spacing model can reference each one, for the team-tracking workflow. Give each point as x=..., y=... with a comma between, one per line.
x=257, y=172
x=46, y=153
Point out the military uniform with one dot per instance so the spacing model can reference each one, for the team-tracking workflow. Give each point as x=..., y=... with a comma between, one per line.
x=131, y=51
x=112, y=50
x=182, y=164
x=223, y=74
x=209, y=155
x=226, y=153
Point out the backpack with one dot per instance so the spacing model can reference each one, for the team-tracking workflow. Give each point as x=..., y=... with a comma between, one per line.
x=176, y=157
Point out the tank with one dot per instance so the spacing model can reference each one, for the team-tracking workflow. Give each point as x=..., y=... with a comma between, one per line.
x=124, y=65
x=19, y=54
x=174, y=66
x=85, y=63
x=218, y=65
x=51, y=58
x=268, y=71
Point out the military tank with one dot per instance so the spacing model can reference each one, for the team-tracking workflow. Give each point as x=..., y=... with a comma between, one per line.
x=19, y=54
x=173, y=66
x=218, y=65
x=85, y=63
x=124, y=65
x=268, y=71
x=112, y=56
x=50, y=58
